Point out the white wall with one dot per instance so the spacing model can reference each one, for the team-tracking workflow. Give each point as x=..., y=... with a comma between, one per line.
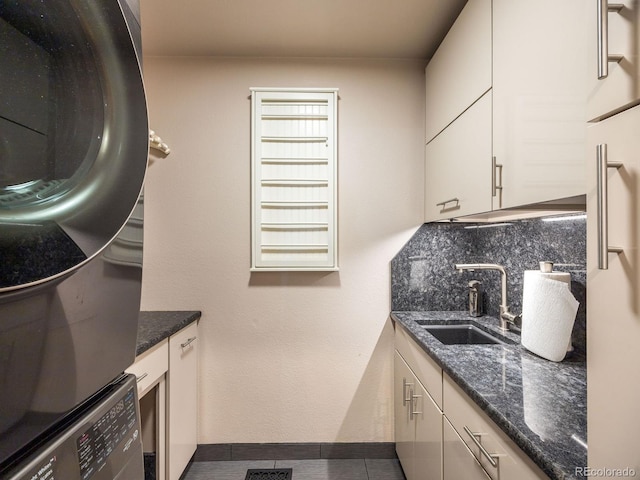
x=285, y=357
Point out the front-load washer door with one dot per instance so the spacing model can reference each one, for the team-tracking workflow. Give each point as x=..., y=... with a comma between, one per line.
x=73, y=135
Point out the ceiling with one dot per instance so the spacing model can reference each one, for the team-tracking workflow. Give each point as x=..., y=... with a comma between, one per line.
x=296, y=28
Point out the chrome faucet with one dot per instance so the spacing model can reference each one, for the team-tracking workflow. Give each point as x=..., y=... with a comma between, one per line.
x=506, y=317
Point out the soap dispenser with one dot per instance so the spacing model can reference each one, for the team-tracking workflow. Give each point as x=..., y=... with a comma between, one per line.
x=475, y=298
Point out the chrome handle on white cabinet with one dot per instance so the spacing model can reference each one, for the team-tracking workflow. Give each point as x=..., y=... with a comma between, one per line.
x=602, y=194
x=495, y=185
x=405, y=399
x=444, y=205
x=604, y=7
x=491, y=457
x=412, y=412
x=141, y=377
x=188, y=342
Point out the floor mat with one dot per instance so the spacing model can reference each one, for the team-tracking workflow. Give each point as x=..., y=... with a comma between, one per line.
x=268, y=474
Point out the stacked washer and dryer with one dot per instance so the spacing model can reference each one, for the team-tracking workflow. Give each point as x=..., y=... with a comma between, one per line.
x=73, y=156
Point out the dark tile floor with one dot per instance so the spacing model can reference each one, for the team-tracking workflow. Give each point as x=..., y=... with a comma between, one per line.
x=318, y=469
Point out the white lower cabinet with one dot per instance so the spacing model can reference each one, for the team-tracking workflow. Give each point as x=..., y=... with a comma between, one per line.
x=150, y=369
x=167, y=388
x=182, y=424
x=458, y=462
x=456, y=442
x=405, y=433
x=499, y=456
x=418, y=426
x=428, y=445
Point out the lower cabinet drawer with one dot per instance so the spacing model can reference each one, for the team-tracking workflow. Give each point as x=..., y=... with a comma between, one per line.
x=458, y=461
x=150, y=366
x=499, y=456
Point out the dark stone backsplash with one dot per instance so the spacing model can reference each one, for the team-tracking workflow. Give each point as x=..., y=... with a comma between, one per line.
x=423, y=277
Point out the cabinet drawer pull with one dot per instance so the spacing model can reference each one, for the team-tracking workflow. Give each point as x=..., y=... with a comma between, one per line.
x=405, y=398
x=603, y=207
x=492, y=458
x=141, y=377
x=188, y=342
x=444, y=205
x=604, y=58
x=412, y=412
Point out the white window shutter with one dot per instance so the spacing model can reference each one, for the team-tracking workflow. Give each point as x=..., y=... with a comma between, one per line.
x=294, y=179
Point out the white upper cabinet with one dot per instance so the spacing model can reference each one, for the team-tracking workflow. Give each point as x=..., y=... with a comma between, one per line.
x=615, y=84
x=539, y=92
x=457, y=165
x=534, y=79
x=460, y=71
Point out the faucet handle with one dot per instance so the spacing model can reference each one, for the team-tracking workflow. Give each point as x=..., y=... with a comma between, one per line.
x=511, y=318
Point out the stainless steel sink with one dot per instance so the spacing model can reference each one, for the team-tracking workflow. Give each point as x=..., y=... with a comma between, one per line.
x=462, y=335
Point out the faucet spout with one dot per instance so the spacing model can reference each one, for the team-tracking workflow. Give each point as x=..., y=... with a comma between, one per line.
x=506, y=317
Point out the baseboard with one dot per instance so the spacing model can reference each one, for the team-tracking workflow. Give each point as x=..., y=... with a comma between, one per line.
x=292, y=451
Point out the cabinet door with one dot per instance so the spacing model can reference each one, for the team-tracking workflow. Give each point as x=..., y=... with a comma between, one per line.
x=539, y=105
x=428, y=446
x=404, y=426
x=613, y=299
x=622, y=85
x=423, y=366
x=458, y=461
x=460, y=71
x=502, y=459
x=458, y=165
x=182, y=380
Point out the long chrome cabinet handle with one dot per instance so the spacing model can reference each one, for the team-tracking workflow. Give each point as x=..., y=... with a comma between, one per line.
x=405, y=384
x=141, y=377
x=604, y=58
x=188, y=342
x=492, y=458
x=412, y=412
x=495, y=185
x=602, y=194
x=446, y=202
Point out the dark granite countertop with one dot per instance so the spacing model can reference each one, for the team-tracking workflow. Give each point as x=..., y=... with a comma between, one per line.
x=541, y=405
x=155, y=326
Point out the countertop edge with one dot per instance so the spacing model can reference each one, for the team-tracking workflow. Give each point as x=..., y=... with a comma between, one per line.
x=156, y=325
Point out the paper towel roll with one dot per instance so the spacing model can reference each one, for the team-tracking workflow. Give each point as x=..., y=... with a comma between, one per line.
x=548, y=313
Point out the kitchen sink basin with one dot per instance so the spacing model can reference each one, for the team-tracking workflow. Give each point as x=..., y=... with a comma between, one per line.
x=462, y=335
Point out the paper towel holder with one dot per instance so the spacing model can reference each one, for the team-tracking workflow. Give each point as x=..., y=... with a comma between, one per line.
x=546, y=267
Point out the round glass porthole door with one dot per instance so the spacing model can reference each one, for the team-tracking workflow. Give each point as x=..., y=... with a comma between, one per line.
x=73, y=135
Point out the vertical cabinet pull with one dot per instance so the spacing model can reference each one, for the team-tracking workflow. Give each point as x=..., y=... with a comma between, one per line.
x=496, y=180
x=413, y=397
x=492, y=458
x=405, y=398
x=604, y=7
x=602, y=194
